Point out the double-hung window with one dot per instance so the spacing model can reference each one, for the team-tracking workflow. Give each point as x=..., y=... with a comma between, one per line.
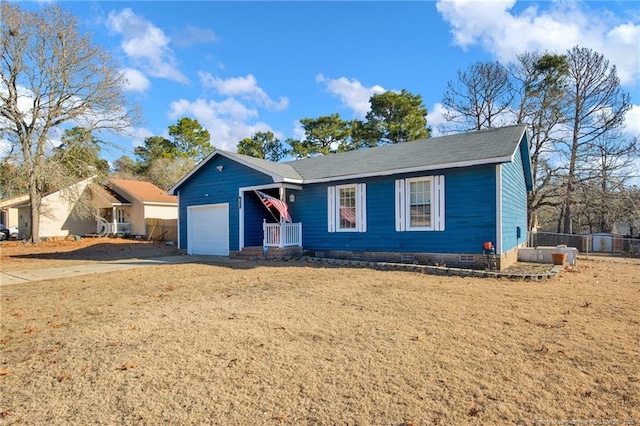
x=346, y=208
x=420, y=204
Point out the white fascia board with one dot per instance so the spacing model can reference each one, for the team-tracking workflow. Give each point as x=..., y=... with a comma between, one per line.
x=178, y=223
x=496, y=160
x=153, y=203
x=276, y=177
x=499, y=208
x=269, y=186
x=241, y=219
x=516, y=150
x=294, y=181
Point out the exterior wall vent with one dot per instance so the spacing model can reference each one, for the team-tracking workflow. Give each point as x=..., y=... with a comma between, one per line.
x=407, y=257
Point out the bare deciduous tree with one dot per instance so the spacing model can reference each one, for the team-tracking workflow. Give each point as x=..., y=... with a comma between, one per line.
x=478, y=97
x=52, y=76
x=596, y=107
x=605, y=177
x=539, y=83
x=165, y=172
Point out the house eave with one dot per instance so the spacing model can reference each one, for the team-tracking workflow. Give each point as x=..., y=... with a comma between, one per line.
x=13, y=201
x=270, y=186
x=277, y=178
x=155, y=203
x=292, y=181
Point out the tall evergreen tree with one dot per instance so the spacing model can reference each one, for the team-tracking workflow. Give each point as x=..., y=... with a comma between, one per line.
x=262, y=145
x=396, y=117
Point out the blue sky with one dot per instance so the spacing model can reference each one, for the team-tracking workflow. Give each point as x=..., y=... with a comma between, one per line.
x=243, y=67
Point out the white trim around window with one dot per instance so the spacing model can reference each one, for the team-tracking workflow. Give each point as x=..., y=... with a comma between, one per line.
x=347, y=208
x=419, y=204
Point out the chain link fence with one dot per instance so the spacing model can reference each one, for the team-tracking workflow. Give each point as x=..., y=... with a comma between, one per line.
x=593, y=244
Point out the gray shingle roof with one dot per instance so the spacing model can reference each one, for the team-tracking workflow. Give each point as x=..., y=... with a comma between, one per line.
x=281, y=169
x=482, y=147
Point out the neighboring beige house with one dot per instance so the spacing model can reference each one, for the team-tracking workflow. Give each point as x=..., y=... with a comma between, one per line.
x=9, y=215
x=122, y=206
x=126, y=204
x=56, y=214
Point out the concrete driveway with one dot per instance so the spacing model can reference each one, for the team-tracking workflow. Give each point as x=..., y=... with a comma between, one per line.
x=20, y=277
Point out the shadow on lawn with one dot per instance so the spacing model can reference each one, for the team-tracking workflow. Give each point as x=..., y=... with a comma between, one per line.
x=105, y=251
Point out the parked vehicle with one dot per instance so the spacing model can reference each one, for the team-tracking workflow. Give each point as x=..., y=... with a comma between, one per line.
x=10, y=233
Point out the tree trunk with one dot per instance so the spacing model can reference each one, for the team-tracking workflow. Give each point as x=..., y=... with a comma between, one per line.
x=571, y=174
x=35, y=199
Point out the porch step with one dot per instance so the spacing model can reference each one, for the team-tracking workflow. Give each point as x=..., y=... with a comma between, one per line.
x=273, y=253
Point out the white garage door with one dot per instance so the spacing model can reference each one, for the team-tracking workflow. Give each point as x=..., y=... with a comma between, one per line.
x=208, y=229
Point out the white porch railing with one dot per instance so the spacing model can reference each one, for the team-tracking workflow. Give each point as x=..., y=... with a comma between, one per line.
x=109, y=228
x=282, y=234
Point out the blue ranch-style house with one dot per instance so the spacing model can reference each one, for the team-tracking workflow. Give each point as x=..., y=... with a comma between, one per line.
x=442, y=200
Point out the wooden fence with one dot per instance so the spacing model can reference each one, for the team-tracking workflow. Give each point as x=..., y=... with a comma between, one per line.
x=162, y=229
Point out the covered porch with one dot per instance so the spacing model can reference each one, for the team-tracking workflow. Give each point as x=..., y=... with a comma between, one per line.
x=113, y=212
x=104, y=228
x=266, y=218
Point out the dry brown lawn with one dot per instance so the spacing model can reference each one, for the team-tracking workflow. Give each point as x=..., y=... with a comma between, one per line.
x=295, y=343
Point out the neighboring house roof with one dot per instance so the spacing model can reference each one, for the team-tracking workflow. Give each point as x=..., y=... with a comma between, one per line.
x=68, y=190
x=491, y=146
x=145, y=192
x=106, y=197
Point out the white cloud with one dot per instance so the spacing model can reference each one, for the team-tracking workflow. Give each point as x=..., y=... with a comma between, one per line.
x=138, y=135
x=244, y=87
x=136, y=80
x=351, y=93
x=632, y=122
x=435, y=120
x=236, y=116
x=227, y=121
x=561, y=26
x=191, y=35
x=145, y=44
x=298, y=131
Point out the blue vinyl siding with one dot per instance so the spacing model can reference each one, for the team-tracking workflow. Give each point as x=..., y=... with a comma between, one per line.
x=210, y=186
x=470, y=208
x=470, y=212
x=514, y=202
x=254, y=213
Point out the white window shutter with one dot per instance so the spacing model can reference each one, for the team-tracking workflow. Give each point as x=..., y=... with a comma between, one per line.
x=400, y=205
x=331, y=209
x=361, y=207
x=439, y=203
